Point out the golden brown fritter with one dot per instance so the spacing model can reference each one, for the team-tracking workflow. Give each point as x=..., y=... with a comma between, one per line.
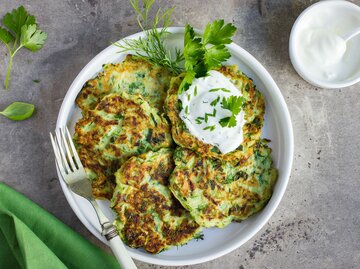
x=217, y=192
x=132, y=76
x=149, y=216
x=254, y=108
x=120, y=127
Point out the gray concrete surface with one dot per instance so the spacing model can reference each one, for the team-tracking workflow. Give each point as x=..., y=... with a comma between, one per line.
x=317, y=224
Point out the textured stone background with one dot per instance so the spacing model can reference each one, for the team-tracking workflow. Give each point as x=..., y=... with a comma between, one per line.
x=317, y=224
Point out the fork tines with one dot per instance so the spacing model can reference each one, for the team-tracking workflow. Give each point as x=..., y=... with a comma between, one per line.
x=66, y=157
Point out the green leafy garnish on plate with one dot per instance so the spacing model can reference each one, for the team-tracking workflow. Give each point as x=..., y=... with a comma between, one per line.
x=210, y=128
x=20, y=30
x=206, y=53
x=234, y=104
x=152, y=47
x=219, y=89
x=18, y=111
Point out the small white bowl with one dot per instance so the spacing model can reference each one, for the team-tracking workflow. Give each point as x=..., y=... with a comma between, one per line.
x=313, y=16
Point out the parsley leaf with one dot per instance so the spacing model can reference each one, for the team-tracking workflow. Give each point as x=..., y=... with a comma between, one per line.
x=215, y=55
x=15, y=20
x=31, y=38
x=22, y=31
x=217, y=33
x=5, y=36
x=204, y=54
x=234, y=104
x=228, y=121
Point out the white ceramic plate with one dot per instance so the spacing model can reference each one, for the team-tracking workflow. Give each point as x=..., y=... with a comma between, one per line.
x=217, y=242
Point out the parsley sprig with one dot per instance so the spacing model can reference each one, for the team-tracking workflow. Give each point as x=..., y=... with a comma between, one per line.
x=20, y=30
x=203, y=54
x=152, y=47
x=234, y=104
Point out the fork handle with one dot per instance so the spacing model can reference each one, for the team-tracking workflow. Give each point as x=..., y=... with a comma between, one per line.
x=121, y=254
x=118, y=248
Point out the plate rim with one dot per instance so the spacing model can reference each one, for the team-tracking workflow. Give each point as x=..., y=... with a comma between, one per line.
x=260, y=70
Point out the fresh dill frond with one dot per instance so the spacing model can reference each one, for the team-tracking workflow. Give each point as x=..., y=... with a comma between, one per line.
x=152, y=47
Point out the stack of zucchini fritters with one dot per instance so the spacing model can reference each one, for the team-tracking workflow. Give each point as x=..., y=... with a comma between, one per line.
x=165, y=184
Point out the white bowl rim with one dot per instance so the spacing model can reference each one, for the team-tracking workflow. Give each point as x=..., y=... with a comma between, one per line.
x=275, y=200
x=294, y=58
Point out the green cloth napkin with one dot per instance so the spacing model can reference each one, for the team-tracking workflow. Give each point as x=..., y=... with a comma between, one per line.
x=32, y=238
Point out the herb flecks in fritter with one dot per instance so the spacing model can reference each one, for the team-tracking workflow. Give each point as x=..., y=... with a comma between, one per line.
x=252, y=103
x=121, y=126
x=149, y=216
x=132, y=76
x=217, y=192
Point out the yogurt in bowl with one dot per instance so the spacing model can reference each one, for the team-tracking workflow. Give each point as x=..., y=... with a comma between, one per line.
x=318, y=48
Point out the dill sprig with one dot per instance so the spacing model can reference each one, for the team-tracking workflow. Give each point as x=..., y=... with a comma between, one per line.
x=152, y=47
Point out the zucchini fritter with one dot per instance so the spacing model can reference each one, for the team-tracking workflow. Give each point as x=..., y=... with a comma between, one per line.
x=133, y=76
x=254, y=108
x=149, y=216
x=120, y=127
x=217, y=192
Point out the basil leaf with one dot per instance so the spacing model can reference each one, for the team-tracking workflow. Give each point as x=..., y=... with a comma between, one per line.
x=18, y=111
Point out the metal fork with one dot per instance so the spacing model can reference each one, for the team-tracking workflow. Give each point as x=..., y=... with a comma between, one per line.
x=74, y=175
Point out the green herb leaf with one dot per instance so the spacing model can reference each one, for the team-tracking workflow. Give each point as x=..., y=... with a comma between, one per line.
x=15, y=20
x=215, y=56
x=228, y=121
x=233, y=103
x=152, y=47
x=193, y=49
x=217, y=33
x=31, y=38
x=22, y=32
x=18, y=111
x=5, y=36
x=204, y=54
x=187, y=80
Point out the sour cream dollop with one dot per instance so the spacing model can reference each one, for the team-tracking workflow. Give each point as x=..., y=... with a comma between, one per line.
x=200, y=99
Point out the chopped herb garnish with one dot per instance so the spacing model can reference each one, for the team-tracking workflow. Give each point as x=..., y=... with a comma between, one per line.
x=211, y=128
x=219, y=89
x=214, y=102
x=187, y=109
x=199, y=120
x=36, y=80
x=195, y=91
x=207, y=115
x=199, y=236
x=188, y=97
